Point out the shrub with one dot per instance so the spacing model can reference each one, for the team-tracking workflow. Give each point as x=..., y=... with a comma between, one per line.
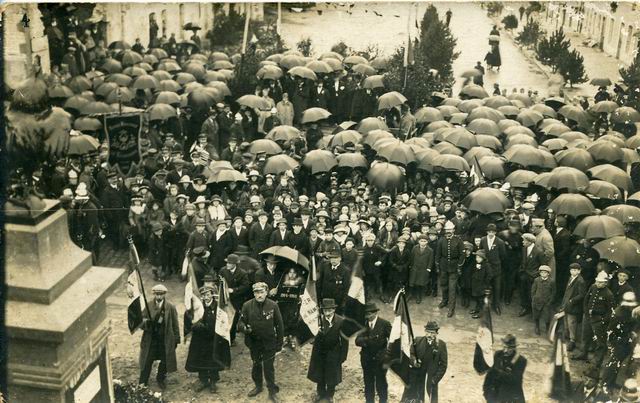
x=510, y=21
x=494, y=8
x=631, y=78
x=530, y=34
x=571, y=67
x=134, y=393
x=305, y=47
x=341, y=48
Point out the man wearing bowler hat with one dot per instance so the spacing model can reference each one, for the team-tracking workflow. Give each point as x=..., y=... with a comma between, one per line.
x=428, y=368
x=496, y=256
x=330, y=349
x=263, y=328
x=334, y=280
x=373, y=342
x=503, y=382
x=160, y=337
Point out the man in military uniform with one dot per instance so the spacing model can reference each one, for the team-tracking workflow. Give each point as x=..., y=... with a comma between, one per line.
x=373, y=342
x=449, y=257
x=598, y=307
x=587, y=258
x=620, y=341
x=263, y=327
x=334, y=281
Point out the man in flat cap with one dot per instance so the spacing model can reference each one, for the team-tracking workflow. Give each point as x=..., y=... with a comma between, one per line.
x=544, y=242
x=429, y=367
x=263, y=328
x=373, y=342
x=503, y=382
x=532, y=259
x=160, y=337
x=200, y=357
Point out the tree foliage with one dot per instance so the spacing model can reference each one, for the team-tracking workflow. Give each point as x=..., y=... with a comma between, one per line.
x=431, y=70
x=305, y=46
x=571, y=67
x=436, y=43
x=530, y=34
x=510, y=21
x=341, y=48
x=550, y=51
x=631, y=78
x=494, y=8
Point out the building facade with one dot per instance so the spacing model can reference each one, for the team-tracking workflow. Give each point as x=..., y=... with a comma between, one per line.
x=26, y=47
x=617, y=33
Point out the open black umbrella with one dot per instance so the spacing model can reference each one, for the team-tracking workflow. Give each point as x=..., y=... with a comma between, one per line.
x=486, y=200
x=621, y=250
x=289, y=254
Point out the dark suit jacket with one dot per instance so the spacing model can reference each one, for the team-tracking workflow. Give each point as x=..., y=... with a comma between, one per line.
x=531, y=264
x=373, y=342
x=265, y=321
x=263, y=275
x=276, y=238
x=496, y=255
x=562, y=246
x=239, y=239
x=574, y=296
x=220, y=249
x=239, y=281
x=259, y=238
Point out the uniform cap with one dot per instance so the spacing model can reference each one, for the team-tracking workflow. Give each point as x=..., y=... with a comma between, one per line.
x=260, y=286
x=602, y=276
x=449, y=226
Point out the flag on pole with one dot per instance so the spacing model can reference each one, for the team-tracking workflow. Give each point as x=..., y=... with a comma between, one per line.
x=137, y=303
x=401, y=341
x=194, y=309
x=476, y=173
x=355, y=301
x=483, y=355
x=561, y=377
x=135, y=290
x=222, y=326
x=309, y=325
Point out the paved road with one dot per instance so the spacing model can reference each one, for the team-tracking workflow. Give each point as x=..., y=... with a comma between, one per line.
x=363, y=27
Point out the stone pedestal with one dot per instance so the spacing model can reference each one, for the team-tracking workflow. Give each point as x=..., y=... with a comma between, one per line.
x=56, y=314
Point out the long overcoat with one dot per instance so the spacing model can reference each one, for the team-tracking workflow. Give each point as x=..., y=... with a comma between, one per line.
x=329, y=351
x=171, y=336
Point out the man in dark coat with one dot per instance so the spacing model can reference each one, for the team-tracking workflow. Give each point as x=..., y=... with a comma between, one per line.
x=263, y=328
x=572, y=303
x=114, y=203
x=532, y=259
x=281, y=236
x=160, y=337
x=512, y=238
x=84, y=223
x=598, y=308
x=330, y=349
x=334, y=281
x=158, y=248
x=562, y=247
x=503, y=382
x=221, y=245
x=239, y=233
x=299, y=239
x=259, y=234
x=238, y=287
x=620, y=339
x=373, y=259
x=200, y=357
x=319, y=96
x=373, y=342
x=430, y=365
x=269, y=276
x=496, y=255
x=449, y=258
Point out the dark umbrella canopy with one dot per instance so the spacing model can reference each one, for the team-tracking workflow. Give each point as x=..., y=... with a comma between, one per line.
x=279, y=164
x=385, y=176
x=621, y=250
x=319, y=161
x=573, y=205
x=605, y=151
x=289, y=254
x=599, y=226
x=612, y=174
x=352, y=160
x=521, y=178
x=603, y=190
x=624, y=213
x=486, y=201
x=568, y=178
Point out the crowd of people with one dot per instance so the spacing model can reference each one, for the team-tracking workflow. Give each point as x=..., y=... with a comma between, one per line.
x=329, y=164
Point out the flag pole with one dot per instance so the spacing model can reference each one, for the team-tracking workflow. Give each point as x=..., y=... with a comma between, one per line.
x=406, y=50
x=279, y=19
x=136, y=263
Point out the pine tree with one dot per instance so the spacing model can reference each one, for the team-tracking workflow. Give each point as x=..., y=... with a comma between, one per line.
x=551, y=51
x=437, y=43
x=631, y=78
x=530, y=34
x=420, y=82
x=571, y=67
